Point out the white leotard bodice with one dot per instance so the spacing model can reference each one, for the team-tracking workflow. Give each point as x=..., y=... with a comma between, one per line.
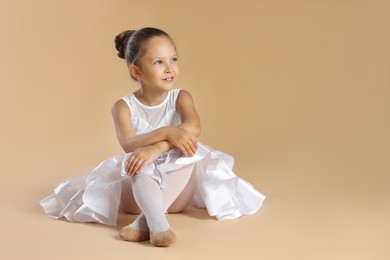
x=148, y=118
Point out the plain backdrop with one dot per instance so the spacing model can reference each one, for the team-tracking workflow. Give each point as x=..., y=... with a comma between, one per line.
x=297, y=91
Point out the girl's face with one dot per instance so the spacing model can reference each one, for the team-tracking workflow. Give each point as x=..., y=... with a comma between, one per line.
x=158, y=68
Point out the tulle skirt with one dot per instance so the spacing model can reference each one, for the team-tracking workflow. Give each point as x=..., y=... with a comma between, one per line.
x=95, y=197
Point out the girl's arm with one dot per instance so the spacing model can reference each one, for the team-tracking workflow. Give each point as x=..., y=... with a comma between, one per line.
x=190, y=122
x=125, y=131
x=182, y=136
x=165, y=138
x=189, y=117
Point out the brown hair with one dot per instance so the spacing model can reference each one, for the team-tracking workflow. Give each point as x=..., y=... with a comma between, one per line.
x=131, y=43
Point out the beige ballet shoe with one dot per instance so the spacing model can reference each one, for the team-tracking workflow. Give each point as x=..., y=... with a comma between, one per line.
x=161, y=239
x=134, y=235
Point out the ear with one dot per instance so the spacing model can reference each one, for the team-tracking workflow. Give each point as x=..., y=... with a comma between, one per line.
x=135, y=71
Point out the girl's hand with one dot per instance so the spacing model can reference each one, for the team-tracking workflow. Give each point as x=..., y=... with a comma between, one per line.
x=183, y=140
x=140, y=158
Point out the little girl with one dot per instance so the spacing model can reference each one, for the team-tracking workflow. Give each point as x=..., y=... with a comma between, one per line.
x=165, y=168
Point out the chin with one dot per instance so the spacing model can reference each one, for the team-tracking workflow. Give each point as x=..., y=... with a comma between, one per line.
x=168, y=86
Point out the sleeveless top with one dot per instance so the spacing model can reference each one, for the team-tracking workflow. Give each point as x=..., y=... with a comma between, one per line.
x=148, y=118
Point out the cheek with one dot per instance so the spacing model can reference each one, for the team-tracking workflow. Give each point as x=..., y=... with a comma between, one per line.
x=152, y=72
x=176, y=67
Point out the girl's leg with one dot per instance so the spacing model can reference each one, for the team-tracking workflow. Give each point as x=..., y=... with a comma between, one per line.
x=178, y=200
x=172, y=202
x=129, y=205
x=149, y=198
x=175, y=198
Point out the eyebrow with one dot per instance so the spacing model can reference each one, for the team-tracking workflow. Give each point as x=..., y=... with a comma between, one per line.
x=153, y=58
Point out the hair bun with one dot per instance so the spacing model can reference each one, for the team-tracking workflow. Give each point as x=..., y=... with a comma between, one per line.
x=121, y=42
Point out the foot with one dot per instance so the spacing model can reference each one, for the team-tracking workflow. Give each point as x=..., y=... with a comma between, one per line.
x=134, y=235
x=162, y=239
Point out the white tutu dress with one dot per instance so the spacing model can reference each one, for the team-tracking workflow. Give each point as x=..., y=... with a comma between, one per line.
x=95, y=197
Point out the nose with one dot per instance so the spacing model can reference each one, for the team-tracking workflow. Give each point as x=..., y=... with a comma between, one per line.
x=168, y=68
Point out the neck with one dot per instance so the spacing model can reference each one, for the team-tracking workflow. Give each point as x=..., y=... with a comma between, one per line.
x=150, y=98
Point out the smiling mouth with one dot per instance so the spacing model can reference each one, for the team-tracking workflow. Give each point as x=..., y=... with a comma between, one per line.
x=168, y=79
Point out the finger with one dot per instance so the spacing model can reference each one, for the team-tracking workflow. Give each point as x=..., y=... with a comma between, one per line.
x=195, y=142
x=131, y=167
x=192, y=148
x=188, y=150
x=183, y=149
x=140, y=167
x=136, y=167
x=129, y=161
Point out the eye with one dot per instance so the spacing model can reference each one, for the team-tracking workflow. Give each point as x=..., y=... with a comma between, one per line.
x=158, y=62
x=175, y=59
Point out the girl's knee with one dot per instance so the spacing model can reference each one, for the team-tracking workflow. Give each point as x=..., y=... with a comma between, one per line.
x=174, y=211
x=134, y=211
x=177, y=207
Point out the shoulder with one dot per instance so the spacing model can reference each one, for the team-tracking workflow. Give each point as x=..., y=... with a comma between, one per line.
x=184, y=95
x=120, y=107
x=184, y=99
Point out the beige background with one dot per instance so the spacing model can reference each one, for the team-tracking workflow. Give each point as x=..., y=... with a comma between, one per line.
x=297, y=91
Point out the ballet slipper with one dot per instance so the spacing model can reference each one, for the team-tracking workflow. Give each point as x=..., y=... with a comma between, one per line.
x=162, y=239
x=134, y=235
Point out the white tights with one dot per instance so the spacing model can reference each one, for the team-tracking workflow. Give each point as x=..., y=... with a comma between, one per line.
x=141, y=193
